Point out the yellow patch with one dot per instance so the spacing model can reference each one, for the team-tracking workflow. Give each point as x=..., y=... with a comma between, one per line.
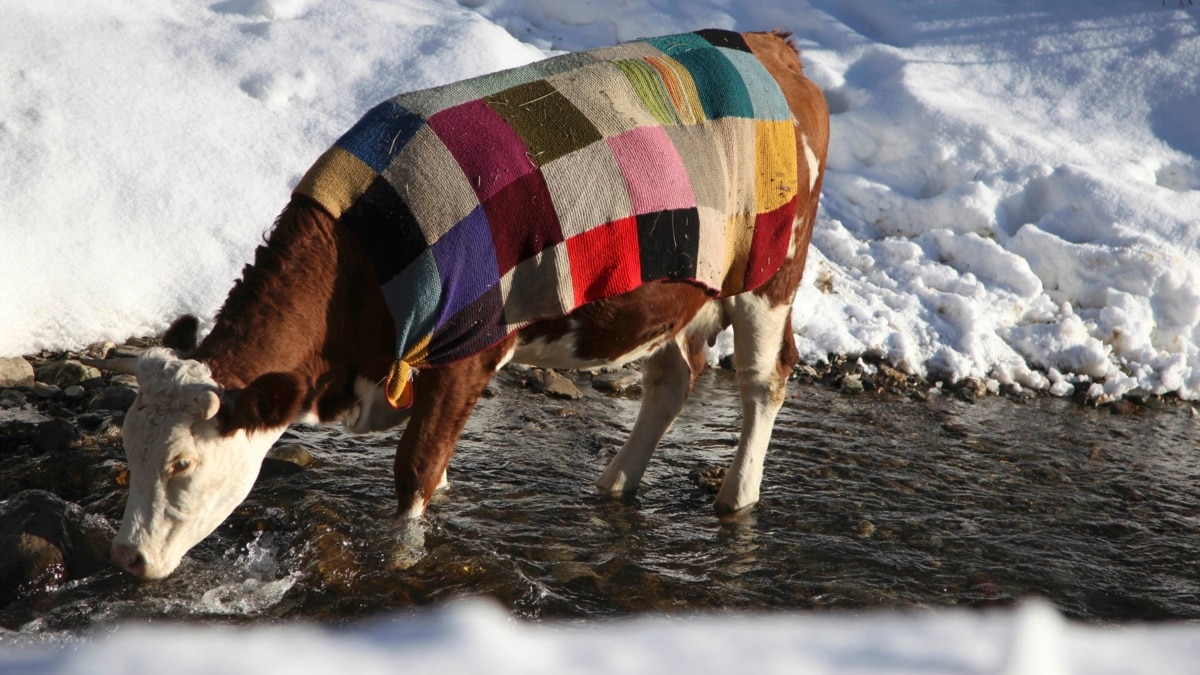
x=336, y=180
x=739, y=235
x=399, y=387
x=775, y=181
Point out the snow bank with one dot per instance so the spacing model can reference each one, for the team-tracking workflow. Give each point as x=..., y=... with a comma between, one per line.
x=478, y=637
x=1013, y=189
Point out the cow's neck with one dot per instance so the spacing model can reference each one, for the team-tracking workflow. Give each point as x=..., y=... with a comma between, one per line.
x=309, y=305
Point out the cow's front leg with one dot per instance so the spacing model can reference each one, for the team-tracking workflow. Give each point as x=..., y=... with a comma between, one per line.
x=443, y=401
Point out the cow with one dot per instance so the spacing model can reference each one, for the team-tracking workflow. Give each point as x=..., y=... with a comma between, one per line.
x=665, y=189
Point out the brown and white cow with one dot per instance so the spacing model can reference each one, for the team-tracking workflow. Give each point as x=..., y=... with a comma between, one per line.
x=306, y=335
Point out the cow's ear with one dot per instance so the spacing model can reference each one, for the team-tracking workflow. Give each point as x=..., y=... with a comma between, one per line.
x=270, y=401
x=182, y=334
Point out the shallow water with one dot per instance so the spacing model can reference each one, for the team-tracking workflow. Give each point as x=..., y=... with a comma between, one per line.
x=868, y=501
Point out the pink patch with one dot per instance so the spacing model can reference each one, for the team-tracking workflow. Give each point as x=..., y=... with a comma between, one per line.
x=653, y=172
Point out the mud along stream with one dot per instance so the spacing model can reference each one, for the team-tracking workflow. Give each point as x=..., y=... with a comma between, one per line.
x=899, y=496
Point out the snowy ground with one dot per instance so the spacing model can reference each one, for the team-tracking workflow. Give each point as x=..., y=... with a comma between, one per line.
x=1013, y=192
x=1012, y=189
x=477, y=637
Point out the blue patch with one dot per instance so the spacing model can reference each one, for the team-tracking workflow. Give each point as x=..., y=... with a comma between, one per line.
x=381, y=134
x=768, y=100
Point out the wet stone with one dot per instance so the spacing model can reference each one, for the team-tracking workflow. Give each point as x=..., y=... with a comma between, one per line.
x=294, y=453
x=971, y=389
x=806, y=372
x=91, y=422
x=99, y=350
x=11, y=398
x=116, y=397
x=1137, y=396
x=15, y=372
x=74, y=391
x=126, y=352
x=852, y=384
x=571, y=571
x=45, y=541
x=617, y=382
x=66, y=373
x=285, y=460
x=553, y=384
x=708, y=478
x=1123, y=406
x=43, y=390
x=56, y=434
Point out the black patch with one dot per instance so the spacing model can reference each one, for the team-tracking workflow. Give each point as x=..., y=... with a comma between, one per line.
x=474, y=328
x=724, y=38
x=669, y=243
x=386, y=228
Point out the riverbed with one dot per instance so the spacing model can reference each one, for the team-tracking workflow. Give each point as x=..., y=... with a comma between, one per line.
x=906, y=499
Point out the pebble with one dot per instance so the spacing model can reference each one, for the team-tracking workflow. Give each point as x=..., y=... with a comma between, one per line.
x=126, y=352
x=553, y=384
x=852, y=384
x=11, y=398
x=43, y=390
x=709, y=478
x=45, y=541
x=74, y=391
x=1137, y=396
x=16, y=372
x=806, y=372
x=66, y=373
x=285, y=460
x=617, y=382
x=293, y=452
x=115, y=397
x=56, y=434
x=99, y=350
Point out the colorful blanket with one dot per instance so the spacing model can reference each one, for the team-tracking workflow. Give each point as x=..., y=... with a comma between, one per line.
x=494, y=202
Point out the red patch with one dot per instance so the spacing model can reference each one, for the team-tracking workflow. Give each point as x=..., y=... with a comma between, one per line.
x=605, y=261
x=768, y=249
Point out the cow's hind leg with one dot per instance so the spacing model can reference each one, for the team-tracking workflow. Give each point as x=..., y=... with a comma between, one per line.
x=666, y=382
x=764, y=355
x=667, y=379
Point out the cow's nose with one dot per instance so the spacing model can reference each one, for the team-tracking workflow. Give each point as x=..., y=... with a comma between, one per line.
x=129, y=559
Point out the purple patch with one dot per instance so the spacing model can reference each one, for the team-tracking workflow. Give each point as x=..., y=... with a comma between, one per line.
x=466, y=263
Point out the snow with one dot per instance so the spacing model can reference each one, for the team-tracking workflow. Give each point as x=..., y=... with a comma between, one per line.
x=1012, y=193
x=1012, y=190
x=475, y=636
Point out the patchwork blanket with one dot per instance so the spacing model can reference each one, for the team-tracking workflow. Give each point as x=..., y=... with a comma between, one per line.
x=491, y=203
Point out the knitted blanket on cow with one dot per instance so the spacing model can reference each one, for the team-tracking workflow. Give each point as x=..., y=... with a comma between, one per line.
x=494, y=202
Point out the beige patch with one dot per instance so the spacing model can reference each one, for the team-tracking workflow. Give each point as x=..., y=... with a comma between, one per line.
x=426, y=167
x=587, y=188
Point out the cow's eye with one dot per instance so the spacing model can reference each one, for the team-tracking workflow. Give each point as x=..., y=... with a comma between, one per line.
x=181, y=465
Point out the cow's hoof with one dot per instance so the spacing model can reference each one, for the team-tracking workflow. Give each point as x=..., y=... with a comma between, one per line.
x=726, y=510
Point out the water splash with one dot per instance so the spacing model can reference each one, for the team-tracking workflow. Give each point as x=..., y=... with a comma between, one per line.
x=257, y=587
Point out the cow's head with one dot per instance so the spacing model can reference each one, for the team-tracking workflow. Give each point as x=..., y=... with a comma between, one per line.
x=194, y=451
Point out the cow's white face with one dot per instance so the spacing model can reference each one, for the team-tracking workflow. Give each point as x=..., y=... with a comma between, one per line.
x=188, y=467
